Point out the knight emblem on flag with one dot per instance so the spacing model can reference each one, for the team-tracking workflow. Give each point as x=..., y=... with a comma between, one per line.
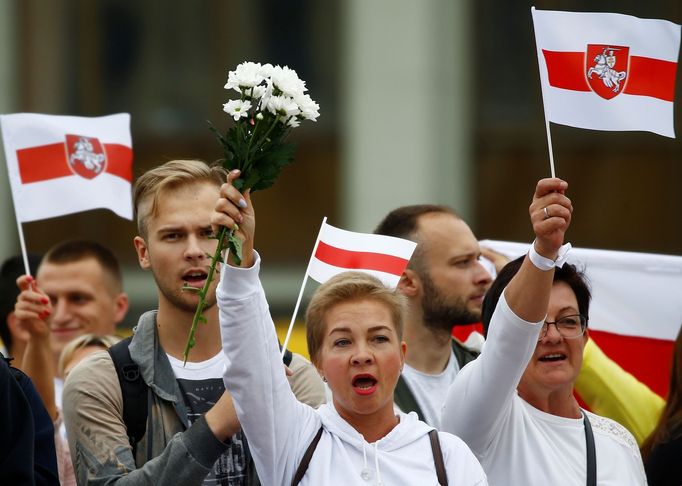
x=607, y=69
x=86, y=156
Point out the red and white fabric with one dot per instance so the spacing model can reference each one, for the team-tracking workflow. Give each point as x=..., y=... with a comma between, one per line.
x=636, y=309
x=606, y=71
x=338, y=250
x=64, y=164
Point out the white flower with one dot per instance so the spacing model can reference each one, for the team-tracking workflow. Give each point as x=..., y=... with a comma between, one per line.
x=309, y=109
x=255, y=93
x=282, y=106
x=247, y=75
x=293, y=122
x=287, y=81
x=237, y=108
x=266, y=70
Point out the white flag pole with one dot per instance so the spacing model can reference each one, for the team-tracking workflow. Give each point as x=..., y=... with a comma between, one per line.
x=300, y=294
x=22, y=243
x=549, y=143
x=544, y=107
x=20, y=228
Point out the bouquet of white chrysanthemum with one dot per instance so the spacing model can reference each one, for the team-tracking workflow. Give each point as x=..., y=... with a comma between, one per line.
x=272, y=101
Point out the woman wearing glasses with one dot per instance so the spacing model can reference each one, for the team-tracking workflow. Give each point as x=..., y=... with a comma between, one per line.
x=514, y=406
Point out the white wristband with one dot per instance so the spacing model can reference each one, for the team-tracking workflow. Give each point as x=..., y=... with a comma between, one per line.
x=546, y=264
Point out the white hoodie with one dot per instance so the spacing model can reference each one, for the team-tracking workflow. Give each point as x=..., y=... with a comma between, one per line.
x=279, y=428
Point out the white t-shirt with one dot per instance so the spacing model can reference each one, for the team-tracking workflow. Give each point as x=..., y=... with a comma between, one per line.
x=430, y=390
x=202, y=370
x=517, y=443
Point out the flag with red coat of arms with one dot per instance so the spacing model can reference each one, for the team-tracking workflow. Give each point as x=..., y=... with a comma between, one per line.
x=64, y=164
x=606, y=71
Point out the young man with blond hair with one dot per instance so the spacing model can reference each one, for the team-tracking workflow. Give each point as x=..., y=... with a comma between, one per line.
x=191, y=434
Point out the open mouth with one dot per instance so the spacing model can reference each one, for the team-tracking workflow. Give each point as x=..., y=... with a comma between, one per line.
x=364, y=384
x=195, y=278
x=550, y=358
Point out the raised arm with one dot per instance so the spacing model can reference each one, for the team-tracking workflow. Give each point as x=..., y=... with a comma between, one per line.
x=480, y=398
x=550, y=213
x=276, y=425
x=31, y=309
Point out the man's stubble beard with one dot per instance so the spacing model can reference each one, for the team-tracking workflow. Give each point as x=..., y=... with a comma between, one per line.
x=440, y=313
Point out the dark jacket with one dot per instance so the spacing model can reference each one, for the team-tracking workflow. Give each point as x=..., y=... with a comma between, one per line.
x=27, y=451
x=403, y=396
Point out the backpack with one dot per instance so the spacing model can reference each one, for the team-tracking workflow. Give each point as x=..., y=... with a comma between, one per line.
x=135, y=391
x=435, y=449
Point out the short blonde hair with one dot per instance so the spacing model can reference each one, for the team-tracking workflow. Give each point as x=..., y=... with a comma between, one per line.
x=348, y=287
x=105, y=342
x=170, y=175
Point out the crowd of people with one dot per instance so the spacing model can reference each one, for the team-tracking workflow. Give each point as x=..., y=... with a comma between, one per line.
x=389, y=396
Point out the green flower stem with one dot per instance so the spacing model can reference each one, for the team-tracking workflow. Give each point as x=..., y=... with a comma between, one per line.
x=264, y=139
x=198, y=315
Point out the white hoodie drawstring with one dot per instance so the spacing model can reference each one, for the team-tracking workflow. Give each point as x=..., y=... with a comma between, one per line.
x=365, y=474
x=376, y=465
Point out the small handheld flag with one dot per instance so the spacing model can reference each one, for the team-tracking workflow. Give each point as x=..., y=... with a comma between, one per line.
x=606, y=71
x=337, y=251
x=65, y=164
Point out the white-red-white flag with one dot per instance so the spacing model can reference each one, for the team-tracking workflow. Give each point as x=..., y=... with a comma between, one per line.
x=606, y=71
x=64, y=164
x=636, y=309
x=338, y=250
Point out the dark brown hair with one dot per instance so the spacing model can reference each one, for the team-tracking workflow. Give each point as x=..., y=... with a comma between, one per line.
x=568, y=274
x=670, y=423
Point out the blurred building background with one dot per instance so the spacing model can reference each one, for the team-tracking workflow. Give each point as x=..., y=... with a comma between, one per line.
x=421, y=101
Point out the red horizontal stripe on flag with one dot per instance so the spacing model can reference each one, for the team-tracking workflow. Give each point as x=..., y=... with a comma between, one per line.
x=359, y=260
x=659, y=81
x=566, y=70
x=47, y=162
x=646, y=76
x=648, y=359
x=44, y=162
x=119, y=160
x=462, y=331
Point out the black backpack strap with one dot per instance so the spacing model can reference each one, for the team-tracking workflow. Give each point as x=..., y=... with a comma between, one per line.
x=303, y=466
x=287, y=356
x=133, y=390
x=438, y=458
x=404, y=398
x=463, y=353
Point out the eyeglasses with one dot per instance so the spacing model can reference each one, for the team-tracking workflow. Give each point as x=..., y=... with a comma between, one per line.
x=569, y=327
